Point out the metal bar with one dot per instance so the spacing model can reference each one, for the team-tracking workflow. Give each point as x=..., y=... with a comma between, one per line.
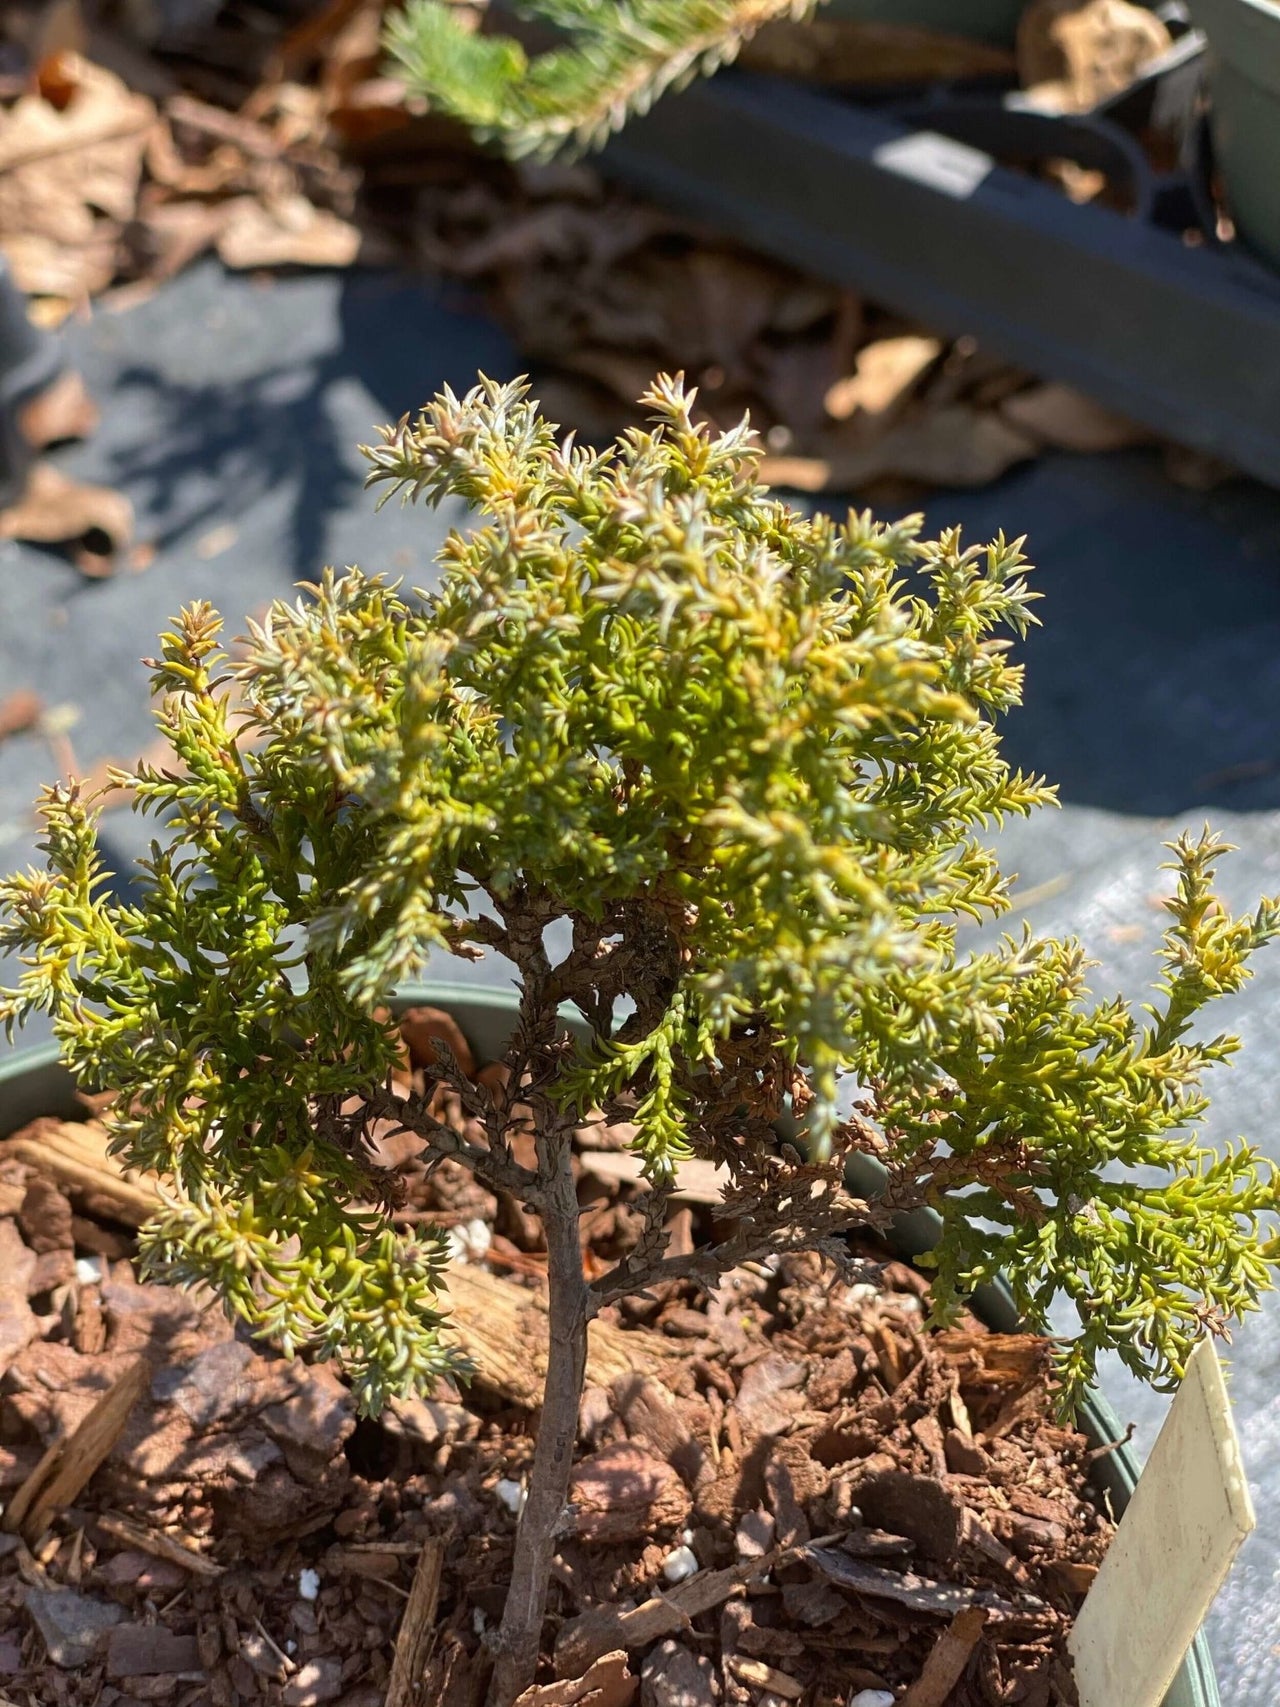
x=1185, y=340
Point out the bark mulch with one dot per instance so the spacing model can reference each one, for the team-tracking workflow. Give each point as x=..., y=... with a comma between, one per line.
x=787, y=1491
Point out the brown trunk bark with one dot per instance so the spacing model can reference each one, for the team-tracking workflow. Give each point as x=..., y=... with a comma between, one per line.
x=518, y=1638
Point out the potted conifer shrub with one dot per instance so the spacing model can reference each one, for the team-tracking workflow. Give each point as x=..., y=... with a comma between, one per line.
x=746, y=759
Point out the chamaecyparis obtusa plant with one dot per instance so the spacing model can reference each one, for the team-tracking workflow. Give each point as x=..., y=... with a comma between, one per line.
x=608, y=61
x=746, y=760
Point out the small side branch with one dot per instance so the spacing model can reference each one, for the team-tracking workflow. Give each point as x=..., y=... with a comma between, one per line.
x=495, y=1167
x=770, y=1227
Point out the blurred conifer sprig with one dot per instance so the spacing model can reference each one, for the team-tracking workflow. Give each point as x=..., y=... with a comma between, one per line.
x=615, y=59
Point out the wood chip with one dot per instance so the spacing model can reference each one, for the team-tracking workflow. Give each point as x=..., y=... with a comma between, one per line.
x=149, y=1650
x=624, y=1492
x=904, y=1588
x=761, y=1676
x=417, y=1626
x=947, y=1659
x=74, y=1153
x=66, y=1467
x=502, y=1328
x=160, y=1546
x=608, y=1683
x=602, y=1629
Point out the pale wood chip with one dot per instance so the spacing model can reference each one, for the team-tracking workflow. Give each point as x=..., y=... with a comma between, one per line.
x=160, y=1546
x=417, y=1626
x=947, y=1659
x=761, y=1676
x=67, y=1466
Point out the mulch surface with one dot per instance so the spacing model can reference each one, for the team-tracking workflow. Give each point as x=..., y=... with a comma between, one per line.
x=823, y=1499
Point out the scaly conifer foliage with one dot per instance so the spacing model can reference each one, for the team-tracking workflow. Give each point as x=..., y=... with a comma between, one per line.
x=616, y=58
x=748, y=760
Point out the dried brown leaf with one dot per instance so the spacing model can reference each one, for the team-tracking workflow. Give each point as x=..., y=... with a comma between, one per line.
x=288, y=232
x=955, y=446
x=55, y=509
x=69, y=176
x=1074, y=53
x=63, y=410
x=888, y=371
x=1065, y=418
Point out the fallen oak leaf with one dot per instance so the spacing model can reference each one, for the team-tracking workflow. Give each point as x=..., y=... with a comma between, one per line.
x=954, y=446
x=56, y=510
x=167, y=236
x=69, y=176
x=887, y=371
x=99, y=109
x=288, y=232
x=1072, y=54
x=250, y=137
x=1066, y=419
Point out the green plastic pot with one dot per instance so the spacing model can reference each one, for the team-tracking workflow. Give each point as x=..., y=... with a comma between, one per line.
x=1244, y=86
x=33, y=1082
x=983, y=20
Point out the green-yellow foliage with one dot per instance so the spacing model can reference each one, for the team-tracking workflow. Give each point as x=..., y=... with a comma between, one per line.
x=751, y=757
x=613, y=59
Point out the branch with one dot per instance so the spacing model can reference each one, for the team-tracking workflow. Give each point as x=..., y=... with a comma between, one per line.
x=494, y=1167
x=787, y=1229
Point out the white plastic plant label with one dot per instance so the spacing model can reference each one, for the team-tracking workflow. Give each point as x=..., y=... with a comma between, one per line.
x=1172, y=1550
x=939, y=162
